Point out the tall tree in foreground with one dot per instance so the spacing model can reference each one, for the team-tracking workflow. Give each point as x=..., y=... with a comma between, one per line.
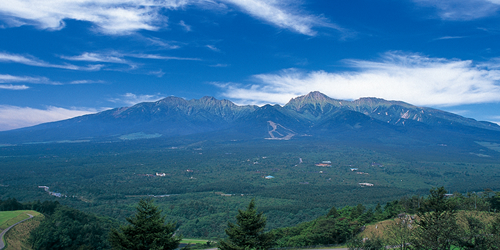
x=147, y=230
x=437, y=228
x=248, y=232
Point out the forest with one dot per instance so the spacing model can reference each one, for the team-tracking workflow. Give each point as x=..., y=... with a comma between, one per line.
x=436, y=221
x=201, y=184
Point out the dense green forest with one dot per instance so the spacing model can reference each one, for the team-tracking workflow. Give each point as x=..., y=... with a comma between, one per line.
x=206, y=182
x=429, y=222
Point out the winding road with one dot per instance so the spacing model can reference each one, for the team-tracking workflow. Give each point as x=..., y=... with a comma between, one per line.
x=2, y=244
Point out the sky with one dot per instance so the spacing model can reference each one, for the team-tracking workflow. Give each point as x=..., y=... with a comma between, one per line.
x=65, y=58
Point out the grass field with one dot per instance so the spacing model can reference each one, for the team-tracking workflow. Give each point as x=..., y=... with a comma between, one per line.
x=9, y=218
x=17, y=237
x=193, y=241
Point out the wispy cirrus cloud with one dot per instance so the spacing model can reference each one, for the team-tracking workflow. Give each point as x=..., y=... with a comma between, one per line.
x=132, y=99
x=160, y=57
x=408, y=77
x=185, y=26
x=37, y=80
x=12, y=117
x=463, y=9
x=13, y=87
x=33, y=61
x=86, y=81
x=121, y=17
x=212, y=48
x=448, y=37
x=283, y=14
x=96, y=57
x=115, y=57
x=160, y=43
x=115, y=17
x=27, y=79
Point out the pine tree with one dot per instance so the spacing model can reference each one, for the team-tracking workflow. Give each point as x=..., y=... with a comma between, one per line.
x=147, y=230
x=248, y=232
x=437, y=228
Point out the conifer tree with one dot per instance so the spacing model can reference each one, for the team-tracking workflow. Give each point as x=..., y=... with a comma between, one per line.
x=147, y=230
x=248, y=232
x=437, y=228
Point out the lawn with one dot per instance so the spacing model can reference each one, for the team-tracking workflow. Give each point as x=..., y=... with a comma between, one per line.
x=8, y=218
x=193, y=241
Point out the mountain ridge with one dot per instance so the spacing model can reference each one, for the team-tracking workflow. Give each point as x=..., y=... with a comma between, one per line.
x=311, y=114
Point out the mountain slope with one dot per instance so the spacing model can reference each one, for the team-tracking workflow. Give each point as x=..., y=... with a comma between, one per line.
x=314, y=114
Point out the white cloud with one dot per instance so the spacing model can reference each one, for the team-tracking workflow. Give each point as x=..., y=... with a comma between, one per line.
x=109, y=16
x=132, y=99
x=462, y=9
x=158, y=73
x=449, y=37
x=13, y=87
x=95, y=57
x=12, y=117
x=213, y=48
x=412, y=78
x=185, y=26
x=85, y=82
x=33, y=61
x=159, y=57
x=38, y=80
x=283, y=15
x=495, y=119
x=161, y=43
x=219, y=65
x=27, y=79
x=121, y=17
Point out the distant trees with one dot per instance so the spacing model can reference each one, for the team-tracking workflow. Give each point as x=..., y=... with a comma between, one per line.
x=11, y=204
x=68, y=228
x=248, y=232
x=147, y=230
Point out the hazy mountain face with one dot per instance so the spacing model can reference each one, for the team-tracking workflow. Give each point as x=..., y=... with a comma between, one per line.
x=314, y=114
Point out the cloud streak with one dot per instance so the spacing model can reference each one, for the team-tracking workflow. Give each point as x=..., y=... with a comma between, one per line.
x=36, y=80
x=33, y=61
x=121, y=17
x=463, y=9
x=27, y=79
x=412, y=78
x=12, y=117
x=114, y=17
x=132, y=99
x=283, y=15
x=95, y=57
x=13, y=87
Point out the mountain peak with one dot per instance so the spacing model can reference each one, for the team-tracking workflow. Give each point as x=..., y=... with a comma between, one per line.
x=314, y=98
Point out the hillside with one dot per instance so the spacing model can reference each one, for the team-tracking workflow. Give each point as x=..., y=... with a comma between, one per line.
x=314, y=114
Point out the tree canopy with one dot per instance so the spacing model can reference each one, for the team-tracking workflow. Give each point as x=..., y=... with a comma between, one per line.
x=147, y=230
x=248, y=232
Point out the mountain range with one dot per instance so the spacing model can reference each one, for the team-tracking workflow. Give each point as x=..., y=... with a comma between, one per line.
x=314, y=115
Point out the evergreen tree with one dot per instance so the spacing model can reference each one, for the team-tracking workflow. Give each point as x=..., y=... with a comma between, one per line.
x=248, y=232
x=333, y=212
x=437, y=228
x=147, y=230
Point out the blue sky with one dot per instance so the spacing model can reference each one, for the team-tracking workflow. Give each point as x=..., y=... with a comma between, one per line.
x=65, y=58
